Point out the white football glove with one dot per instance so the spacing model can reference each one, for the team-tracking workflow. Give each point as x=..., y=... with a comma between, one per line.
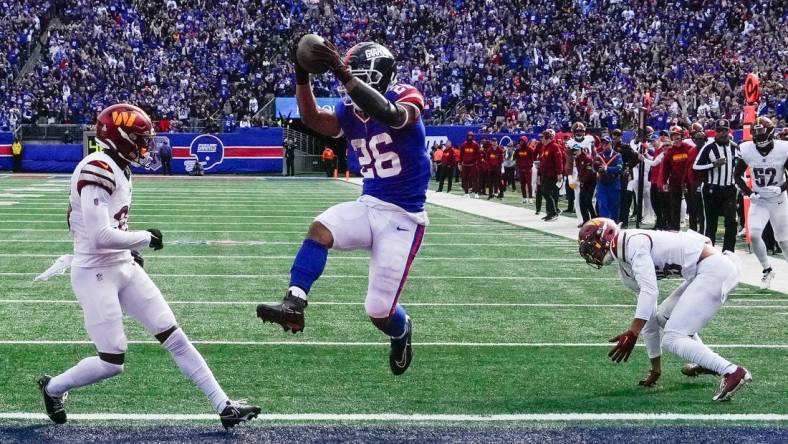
x=770, y=192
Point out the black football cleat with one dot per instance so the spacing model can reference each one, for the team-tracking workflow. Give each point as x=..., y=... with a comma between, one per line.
x=289, y=313
x=53, y=404
x=401, y=351
x=237, y=412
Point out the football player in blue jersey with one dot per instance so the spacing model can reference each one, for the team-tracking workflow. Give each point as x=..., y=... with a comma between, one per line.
x=381, y=119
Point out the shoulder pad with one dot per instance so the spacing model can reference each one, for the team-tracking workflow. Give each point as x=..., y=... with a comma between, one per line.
x=404, y=93
x=99, y=173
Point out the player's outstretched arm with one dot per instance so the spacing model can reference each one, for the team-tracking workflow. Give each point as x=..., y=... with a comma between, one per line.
x=95, y=213
x=321, y=121
x=738, y=176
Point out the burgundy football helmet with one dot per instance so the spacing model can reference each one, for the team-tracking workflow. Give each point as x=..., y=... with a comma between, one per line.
x=596, y=239
x=128, y=131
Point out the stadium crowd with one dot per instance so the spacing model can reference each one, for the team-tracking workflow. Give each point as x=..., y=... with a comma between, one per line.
x=511, y=66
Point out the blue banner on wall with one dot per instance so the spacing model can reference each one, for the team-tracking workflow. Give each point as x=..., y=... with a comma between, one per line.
x=6, y=139
x=252, y=150
x=288, y=107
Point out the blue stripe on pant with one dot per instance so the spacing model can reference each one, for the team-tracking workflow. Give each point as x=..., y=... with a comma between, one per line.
x=608, y=197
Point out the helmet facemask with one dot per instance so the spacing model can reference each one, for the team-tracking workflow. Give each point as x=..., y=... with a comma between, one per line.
x=146, y=154
x=763, y=137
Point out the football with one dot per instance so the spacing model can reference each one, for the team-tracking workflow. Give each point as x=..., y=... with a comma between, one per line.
x=303, y=51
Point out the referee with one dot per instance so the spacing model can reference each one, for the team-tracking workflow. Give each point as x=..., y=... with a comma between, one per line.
x=717, y=159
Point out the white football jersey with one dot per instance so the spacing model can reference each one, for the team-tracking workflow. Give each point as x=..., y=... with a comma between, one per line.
x=99, y=170
x=768, y=170
x=644, y=256
x=586, y=145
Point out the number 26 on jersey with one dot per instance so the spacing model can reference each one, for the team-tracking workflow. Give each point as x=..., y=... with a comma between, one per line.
x=374, y=163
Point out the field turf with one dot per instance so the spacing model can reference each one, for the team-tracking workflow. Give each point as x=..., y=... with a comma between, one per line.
x=507, y=321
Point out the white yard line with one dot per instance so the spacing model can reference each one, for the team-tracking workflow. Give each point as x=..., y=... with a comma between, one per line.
x=7, y=203
x=360, y=276
x=408, y=304
x=337, y=257
x=418, y=417
x=224, y=242
x=380, y=344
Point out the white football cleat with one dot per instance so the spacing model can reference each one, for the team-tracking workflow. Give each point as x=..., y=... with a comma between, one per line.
x=766, y=279
x=467, y=195
x=525, y=201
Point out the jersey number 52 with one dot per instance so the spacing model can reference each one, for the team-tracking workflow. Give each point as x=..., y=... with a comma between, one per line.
x=765, y=177
x=373, y=162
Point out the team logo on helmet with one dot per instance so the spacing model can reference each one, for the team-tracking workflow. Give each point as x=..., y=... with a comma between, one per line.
x=206, y=149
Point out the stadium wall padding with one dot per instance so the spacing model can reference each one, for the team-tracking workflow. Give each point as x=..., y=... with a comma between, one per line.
x=252, y=150
x=6, y=139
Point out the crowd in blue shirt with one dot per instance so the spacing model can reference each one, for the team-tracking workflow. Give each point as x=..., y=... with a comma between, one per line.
x=511, y=66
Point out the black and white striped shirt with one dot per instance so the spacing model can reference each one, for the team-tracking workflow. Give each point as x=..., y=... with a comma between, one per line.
x=722, y=175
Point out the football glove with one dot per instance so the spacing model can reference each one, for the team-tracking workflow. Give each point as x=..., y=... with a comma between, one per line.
x=156, y=238
x=328, y=55
x=770, y=192
x=138, y=258
x=625, y=343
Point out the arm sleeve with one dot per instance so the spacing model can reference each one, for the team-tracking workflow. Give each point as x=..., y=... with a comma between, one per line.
x=643, y=271
x=702, y=162
x=656, y=161
x=738, y=176
x=377, y=106
x=95, y=203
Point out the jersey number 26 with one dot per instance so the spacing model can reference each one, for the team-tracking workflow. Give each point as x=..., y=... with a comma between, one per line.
x=373, y=162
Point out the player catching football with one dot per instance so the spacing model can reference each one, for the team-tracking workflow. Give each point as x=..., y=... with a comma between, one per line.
x=768, y=159
x=107, y=274
x=645, y=255
x=381, y=120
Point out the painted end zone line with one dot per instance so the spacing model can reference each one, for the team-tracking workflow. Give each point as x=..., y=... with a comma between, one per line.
x=394, y=417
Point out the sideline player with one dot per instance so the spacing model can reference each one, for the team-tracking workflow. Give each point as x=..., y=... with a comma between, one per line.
x=381, y=119
x=107, y=274
x=646, y=255
x=767, y=158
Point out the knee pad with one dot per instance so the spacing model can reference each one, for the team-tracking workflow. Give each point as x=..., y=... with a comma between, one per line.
x=661, y=319
x=163, y=321
x=377, y=308
x=755, y=233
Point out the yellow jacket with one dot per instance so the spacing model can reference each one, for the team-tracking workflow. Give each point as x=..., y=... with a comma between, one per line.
x=16, y=149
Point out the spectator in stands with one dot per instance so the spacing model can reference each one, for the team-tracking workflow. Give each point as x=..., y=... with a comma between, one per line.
x=16, y=153
x=68, y=137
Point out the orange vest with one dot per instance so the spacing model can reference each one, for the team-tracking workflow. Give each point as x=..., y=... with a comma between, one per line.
x=328, y=154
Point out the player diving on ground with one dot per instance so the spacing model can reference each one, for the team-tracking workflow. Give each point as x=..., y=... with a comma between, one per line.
x=381, y=120
x=709, y=276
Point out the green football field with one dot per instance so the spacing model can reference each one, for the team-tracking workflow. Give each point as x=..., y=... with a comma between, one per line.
x=507, y=321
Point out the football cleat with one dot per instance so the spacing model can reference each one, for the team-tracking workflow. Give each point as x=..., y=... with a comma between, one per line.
x=693, y=370
x=53, y=404
x=766, y=279
x=289, y=313
x=237, y=412
x=401, y=351
x=731, y=383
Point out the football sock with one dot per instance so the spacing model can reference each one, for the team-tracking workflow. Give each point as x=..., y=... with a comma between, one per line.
x=87, y=371
x=695, y=351
x=759, y=248
x=195, y=368
x=397, y=325
x=309, y=263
